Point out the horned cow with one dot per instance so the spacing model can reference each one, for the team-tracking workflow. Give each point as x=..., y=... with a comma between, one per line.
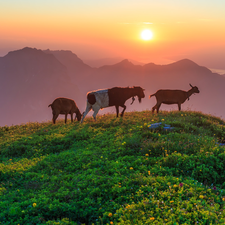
x=64, y=106
x=116, y=96
x=172, y=97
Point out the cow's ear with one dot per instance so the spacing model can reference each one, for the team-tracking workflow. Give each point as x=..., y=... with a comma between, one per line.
x=191, y=85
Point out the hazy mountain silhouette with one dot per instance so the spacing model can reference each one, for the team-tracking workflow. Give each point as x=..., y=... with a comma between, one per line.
x=108, y=61
x=77, y=69
x=31, y=79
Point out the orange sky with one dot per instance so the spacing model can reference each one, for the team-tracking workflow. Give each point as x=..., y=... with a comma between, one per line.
x=96, y=29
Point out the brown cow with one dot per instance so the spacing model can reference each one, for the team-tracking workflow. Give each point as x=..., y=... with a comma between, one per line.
x=64, y=106
x=172, y=97
x=116, y=96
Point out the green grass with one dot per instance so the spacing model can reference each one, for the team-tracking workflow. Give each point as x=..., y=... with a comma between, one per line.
x=114, y=171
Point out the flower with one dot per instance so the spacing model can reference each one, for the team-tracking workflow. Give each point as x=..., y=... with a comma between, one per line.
x=131, y=168
x=175, y=185
x=147, y=154
x=34, y=204
x=110, y=214
x=214, y=188
x=181, y=184
x=201, y=196
x=149, y=173
x=111, y=222
x=223, y=199
x=171, y=201
x=152, y=218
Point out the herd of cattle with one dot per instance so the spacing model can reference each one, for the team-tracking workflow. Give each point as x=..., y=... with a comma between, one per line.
x=117, y=96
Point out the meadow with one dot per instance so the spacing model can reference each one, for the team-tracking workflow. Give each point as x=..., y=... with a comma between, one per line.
x=114, y=171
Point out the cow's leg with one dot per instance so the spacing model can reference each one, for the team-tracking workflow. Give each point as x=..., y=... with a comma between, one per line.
x=88, y=108
x=158, y=106
x=153, y=108
x=124, y=108
x=55, y=116
x=179, y=106
x=96, y=108
x=65, y=118
x=71, y=114
x=117, y=110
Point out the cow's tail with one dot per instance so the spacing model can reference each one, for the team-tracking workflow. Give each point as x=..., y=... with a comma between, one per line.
x=151, y=95
x=50, y=105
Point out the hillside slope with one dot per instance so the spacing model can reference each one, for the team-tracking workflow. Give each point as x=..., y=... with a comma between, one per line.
x=114, y=171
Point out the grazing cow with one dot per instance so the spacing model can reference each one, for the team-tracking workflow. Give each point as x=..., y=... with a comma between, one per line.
x=172, y=97
x=64, y=106
x=116, y=96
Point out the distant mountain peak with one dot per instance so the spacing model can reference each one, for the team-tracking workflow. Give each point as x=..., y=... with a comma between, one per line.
x=124, y=63
x=186, y=63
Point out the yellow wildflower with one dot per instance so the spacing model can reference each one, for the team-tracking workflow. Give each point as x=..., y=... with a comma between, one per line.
x=131, y=168
x=110, y=214
x=34, y=204
x=111, y=222
x=201, y=196
x=147, y=154
x=152, y=218
x=149, y=173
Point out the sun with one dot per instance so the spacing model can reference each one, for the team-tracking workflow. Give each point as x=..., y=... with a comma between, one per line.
x=146, y=34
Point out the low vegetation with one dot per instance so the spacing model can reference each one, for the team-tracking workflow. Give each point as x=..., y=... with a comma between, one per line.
x=114, y=171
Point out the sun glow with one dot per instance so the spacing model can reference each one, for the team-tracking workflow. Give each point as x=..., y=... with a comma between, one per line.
x=146, y=34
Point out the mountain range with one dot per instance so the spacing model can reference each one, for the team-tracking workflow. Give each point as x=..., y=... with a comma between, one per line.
x=30, y=79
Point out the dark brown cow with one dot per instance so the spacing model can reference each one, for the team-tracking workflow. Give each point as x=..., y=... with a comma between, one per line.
x=116, y=96
x=172, y=97
x=64, y=106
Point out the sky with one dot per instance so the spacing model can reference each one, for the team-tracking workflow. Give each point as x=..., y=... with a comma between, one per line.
x=94, y=29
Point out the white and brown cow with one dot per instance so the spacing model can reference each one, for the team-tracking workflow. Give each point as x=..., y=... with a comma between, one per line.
x=116, y=96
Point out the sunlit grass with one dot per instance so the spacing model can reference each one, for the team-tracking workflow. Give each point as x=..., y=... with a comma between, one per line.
x=114, y=171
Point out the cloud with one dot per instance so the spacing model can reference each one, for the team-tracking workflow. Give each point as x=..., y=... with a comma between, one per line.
x=136, y=23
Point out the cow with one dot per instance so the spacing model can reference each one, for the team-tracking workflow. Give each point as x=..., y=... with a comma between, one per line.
x=116, y=96
x=172, y=97
x=64, y=106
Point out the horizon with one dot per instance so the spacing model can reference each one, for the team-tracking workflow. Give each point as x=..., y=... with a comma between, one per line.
x=99, y=29
x=115, y=60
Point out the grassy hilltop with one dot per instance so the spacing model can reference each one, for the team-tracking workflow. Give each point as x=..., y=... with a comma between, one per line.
x=114, y=171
